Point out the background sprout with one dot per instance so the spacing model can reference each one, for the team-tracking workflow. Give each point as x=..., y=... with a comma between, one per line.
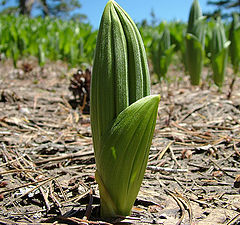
x=234, y=48
x=219, y=53
x=161, y=53
x=195, y=38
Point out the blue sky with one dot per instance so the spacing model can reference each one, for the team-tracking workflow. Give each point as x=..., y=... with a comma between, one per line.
x=141, y=9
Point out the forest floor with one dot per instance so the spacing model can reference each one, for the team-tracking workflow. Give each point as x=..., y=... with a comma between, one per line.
x=47, y=162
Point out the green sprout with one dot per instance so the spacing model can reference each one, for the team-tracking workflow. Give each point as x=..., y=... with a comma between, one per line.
x=234, y=48
x=195, y=38
x=219, y=53
x=161, y=53
x=123, y=113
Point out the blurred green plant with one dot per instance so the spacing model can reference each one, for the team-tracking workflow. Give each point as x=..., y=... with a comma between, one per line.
x=52, y=39
x=234, y=48
x=195, y=38
x=178, y=32
x=148, y=32
x=161, y=53
x=219, y=53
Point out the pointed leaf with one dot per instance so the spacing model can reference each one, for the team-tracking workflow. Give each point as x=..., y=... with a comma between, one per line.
x=194, y=57
x=219, y=63
x=124, y=155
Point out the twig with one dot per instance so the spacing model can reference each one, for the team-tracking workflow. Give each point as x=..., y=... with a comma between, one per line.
x=233, y=220
x=235, y=148
x=89, y=207
x=180, y=204
x=19, y=171
x=24, y=215
x=9, y=222
x=26, y=193
x=200, y=202
x=192, y=111
x=189, y=207
x=164, y=169
x=164, y=151
x=222, y=169
x=174, y=158
x=11, y=161
x=179, y=183
x=194, y=133
x=61, y=190
x=44, y=194
x=24, y=185
x=229, y=95
x=82, y=221
x=227, y=169
x=52, y=195
x=65, y=156
x=170, y=178
x=160, y=154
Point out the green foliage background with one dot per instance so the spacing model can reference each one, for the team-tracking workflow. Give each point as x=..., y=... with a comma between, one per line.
x=52, y=39
x=74, y=42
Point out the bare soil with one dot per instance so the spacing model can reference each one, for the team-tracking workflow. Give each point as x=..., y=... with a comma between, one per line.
x=47, y=162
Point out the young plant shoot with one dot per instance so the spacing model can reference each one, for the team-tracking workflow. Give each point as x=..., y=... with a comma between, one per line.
x=161, y=54
x=195, y=38
x=234, y=48
x=219, y=53
x=123, y=113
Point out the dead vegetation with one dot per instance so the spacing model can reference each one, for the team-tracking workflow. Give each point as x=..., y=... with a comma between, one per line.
x=47, y=162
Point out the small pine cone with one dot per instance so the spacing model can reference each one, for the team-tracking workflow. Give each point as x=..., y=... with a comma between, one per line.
x=80, y=87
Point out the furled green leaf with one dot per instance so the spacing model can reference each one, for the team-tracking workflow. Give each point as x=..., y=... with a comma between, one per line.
x=219, y=53
x=124, y=154
x=120, y=71
x=195, y=38
x=219, y=63
x=194, y=58
x=194, y=15
x=161, y=53
x=123, y=115
x=165, y=60
x=234, y=37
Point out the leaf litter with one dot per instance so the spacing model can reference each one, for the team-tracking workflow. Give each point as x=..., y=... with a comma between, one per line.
x=47, y=163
